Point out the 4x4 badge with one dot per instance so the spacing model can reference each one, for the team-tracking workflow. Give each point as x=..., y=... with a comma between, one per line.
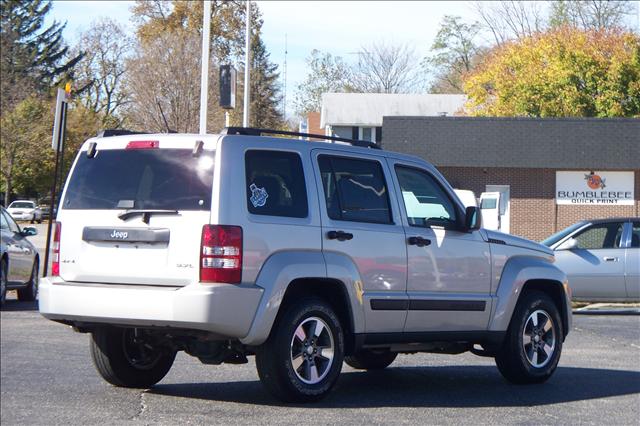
x=258, y=195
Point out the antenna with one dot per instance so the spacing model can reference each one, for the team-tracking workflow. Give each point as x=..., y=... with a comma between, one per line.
x=284, y=68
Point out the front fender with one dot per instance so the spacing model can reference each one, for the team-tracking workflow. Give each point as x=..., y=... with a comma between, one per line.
x=516, y=273
x=279, y=271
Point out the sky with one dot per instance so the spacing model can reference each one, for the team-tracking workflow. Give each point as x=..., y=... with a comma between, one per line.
x=337, y=27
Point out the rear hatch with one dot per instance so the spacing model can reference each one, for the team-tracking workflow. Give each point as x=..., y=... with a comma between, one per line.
x=133, y=213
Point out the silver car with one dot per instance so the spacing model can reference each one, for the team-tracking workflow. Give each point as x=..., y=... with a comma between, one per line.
x=18, y=260
x=601, y=259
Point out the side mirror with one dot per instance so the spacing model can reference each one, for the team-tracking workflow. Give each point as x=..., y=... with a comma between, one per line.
x=29, y=231
x=571, y=243
x=472, y=218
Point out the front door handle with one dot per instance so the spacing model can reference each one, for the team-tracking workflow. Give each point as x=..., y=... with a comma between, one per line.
x=610, y=259
x=419, y=241
x=339, y=235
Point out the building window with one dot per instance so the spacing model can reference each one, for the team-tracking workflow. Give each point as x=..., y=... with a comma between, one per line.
x=367, y=134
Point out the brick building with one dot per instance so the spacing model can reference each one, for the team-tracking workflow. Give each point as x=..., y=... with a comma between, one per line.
x=531, y=159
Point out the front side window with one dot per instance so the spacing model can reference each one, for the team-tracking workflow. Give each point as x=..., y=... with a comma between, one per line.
x=600, y=236
x=424, y=199
x=164, y=179
x=275, y=184
x=9, y=223
x=355, y=190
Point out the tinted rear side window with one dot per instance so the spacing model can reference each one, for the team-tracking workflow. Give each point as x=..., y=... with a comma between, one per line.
x=166, y=179
x=355, y=190
x=275, y=184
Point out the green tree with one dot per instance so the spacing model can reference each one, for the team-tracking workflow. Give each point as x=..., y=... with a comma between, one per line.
x=26, y=155
x=566, y=72
x=32, y=58
x=454, y=54
x=326, y=73
x=264, y=88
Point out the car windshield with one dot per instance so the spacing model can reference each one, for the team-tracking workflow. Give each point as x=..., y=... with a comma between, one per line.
x=21, y=205
x=171, y=179
x=561, y=234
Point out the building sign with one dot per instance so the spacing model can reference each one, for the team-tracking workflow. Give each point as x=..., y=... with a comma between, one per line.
x=594, y=188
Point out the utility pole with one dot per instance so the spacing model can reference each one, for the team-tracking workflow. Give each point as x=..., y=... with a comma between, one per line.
x=247, y=67
x=204, y=74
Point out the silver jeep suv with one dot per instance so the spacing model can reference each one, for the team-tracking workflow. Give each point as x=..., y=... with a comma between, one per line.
x=304, y=254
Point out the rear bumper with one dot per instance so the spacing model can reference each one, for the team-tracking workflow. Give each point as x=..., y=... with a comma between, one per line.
x=223, y=309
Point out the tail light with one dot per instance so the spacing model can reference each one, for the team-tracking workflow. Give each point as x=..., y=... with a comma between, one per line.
x=221, y=254
x=55, y=264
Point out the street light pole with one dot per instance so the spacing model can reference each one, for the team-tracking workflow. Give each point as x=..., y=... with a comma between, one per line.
x=204, y=75
x=247, y=66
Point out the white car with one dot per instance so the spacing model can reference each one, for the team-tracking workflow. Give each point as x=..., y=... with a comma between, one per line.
x=25, y=210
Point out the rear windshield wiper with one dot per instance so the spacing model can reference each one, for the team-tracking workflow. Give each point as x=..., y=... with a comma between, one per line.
x=146, y=213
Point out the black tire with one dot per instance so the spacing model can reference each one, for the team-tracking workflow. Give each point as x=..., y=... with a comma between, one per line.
x=523, y=363
x=368, y=359
x=275, y=358
x=3, y=280
x=113, y=350
x=30, y=292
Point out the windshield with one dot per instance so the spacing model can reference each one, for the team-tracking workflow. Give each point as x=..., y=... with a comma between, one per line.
x=561, y=234
x=167, y=179
x=21, y=205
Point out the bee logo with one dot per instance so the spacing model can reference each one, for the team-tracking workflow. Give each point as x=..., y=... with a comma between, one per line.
x=594, y=181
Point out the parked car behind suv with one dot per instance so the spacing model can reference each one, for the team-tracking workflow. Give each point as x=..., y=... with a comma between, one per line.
x=25, y=210
x=601, y=257
x=303, y=254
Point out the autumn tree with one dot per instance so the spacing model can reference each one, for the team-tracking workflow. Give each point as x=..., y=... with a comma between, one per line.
x=566, y=72
x=101, y=72
x=33, y=57
x=325, y=73
x=454, y=53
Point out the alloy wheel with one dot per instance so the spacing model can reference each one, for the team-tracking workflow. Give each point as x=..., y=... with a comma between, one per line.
x=539, y=339
x=312, y=350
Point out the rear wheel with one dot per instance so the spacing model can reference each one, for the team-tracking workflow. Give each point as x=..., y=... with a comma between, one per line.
x=3, y=281
x=30, y=292
x=533, y=344
x=302, y=359
x=369, y=359
x=128, y=358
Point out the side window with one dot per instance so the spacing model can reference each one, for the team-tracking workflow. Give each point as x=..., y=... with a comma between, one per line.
x=275, y=184
x=355, y=190
x=600, y=236
x=635, y=235
x=424, y=199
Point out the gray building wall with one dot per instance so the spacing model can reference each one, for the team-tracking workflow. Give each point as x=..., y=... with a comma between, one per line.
x=612, y=144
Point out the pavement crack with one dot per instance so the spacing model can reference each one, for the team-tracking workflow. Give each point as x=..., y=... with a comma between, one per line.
x=142, y=405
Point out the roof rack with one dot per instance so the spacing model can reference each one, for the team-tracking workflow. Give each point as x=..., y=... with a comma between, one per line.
x=252, y=131
x=116, y=132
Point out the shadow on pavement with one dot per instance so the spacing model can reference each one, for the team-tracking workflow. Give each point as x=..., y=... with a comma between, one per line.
x=13, y=305
x=466, y=386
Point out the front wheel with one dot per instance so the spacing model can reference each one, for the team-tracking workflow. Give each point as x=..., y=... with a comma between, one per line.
x=129, y=358
x=302, y=358
x=532, y=347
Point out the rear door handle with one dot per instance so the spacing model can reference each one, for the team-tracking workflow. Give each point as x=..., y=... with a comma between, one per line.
x=339, y=235
x=610, y=259
x=418, y=241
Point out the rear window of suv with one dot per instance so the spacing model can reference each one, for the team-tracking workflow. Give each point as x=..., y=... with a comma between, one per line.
x=166, y=179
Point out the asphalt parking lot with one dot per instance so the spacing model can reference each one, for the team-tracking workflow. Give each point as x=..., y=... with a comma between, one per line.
x=46, y=377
